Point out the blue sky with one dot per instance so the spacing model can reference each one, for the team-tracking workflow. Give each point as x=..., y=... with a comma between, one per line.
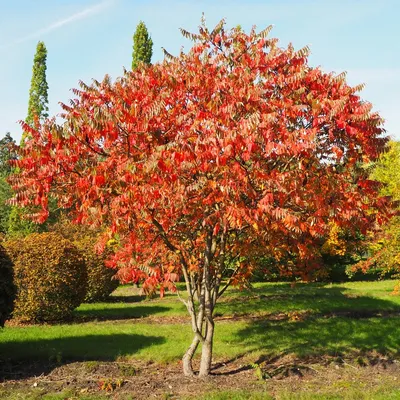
x=87, y=39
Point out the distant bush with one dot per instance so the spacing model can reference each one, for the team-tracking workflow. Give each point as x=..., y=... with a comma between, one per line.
x=7, y=288
x=100, y=278
x=50, y=277
x=100, y=283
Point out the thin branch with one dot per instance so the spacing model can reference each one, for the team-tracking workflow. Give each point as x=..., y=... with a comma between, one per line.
x=87, y=144
x=228, y=283
x=181, y=298
x=221, y=264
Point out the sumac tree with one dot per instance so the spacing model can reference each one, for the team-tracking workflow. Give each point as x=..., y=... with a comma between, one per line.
x=237, y=149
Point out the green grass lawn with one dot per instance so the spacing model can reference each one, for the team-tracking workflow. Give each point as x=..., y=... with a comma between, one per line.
x=120, y=328
x=167, y=342
x=308, y=320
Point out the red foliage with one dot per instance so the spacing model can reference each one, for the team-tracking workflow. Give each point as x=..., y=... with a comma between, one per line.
x=236, y=148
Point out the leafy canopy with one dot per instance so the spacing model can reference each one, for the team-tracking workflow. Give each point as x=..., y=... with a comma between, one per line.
x=201, y=162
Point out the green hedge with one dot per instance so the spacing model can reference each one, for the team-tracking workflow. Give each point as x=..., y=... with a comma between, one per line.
x=50, y=277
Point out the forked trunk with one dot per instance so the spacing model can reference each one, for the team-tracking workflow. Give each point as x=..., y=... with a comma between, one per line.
x=187, y=358
x=206, y=353
x=202, y=321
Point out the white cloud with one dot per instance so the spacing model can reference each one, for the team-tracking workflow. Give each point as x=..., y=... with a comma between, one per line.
x=60, y=23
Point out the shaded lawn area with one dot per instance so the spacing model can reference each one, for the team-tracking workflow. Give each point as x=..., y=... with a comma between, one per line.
x=363, y=298
x=123, y=331
x=167, y=342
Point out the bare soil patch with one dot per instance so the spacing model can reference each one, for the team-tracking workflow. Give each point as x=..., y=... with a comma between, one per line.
x=144, y=380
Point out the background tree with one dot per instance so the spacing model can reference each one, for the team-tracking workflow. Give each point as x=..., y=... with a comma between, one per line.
x=38, y=98
x=201, y=163
x=384, y=246
x=387, y=171
x=142, y=46
x=37, y=112
x=6, y=154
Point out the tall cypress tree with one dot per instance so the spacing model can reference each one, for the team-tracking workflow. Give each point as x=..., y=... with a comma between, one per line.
x=38, y=100
x=37, y=110
x=142, y=46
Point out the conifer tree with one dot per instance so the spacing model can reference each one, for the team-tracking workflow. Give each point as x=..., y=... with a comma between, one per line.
x=38, y=98
x=142, y=46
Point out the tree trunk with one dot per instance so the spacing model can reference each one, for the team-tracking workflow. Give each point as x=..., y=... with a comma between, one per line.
x=187, y=358
x=207, y=350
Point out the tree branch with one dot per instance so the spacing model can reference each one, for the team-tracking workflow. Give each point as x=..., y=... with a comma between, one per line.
x=190, y=302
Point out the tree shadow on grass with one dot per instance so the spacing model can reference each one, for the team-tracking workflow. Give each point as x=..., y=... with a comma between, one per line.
x=125, y=299
x=311, y=298
x=278, y=289
x=23, y=359
x=108, y=313
x=351, y=326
